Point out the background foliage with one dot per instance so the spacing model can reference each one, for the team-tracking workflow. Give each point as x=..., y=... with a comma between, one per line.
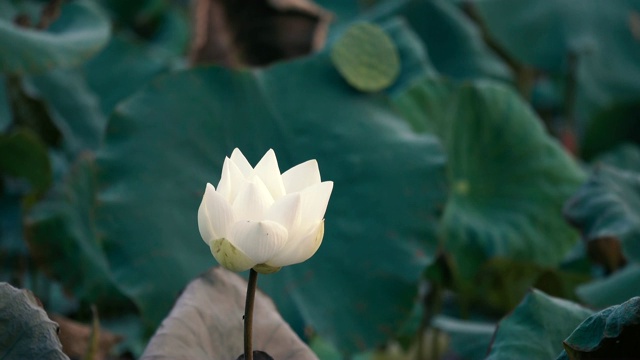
x=491, y=147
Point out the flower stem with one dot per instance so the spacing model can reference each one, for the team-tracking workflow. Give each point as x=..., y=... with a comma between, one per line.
x=248, y=314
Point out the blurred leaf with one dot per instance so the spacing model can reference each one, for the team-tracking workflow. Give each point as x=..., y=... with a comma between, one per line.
x=130, y=327
x=206, y=323
x=31, y=113
x=607, y=210
x=61, y=231
x=79, y=32
x=73, y=107
x=536, y=328
x=366, y=57
x=611, y=127
x=502, y=283
x=122, y=68
x=32, y=9
x=138, y=14
x=13, y=250
x=302, y=110
x=23, y=155
x=602, y=35
x=509, y=178
x=174, y=32
x=625, y=157
x=6, y=114
x=426, y=104
x=611, y=333
x=343, y=11
x=159, y=23
x=324, y=350
x=615, y=289
x=468, y=339
x=27, y=332
x=415, y=63
x=463, y=54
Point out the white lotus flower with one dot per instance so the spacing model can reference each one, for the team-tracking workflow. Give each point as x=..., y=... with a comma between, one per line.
x=258, y=218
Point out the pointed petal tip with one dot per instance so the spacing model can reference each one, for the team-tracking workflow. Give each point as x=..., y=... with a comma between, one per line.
x=238, y=158
x=269, y=171
x=270, y=154
x=301, y=176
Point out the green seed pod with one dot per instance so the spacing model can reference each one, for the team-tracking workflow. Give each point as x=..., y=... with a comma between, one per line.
x=366, y=57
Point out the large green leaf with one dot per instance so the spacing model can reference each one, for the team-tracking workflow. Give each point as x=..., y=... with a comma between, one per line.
x=79, y=100
x=502, y=283
x=414, y=61
x=25, y=329
x=625, y=156
x=61, y=231
x=536, y=328
x=607, y=208
x=73, y=107
x=611, y=333
x=612, y=290
x=343, y=11
x=509, y=178
x=468, y=339
x=464, y=53
x=123, y=67
x=79, y=32
x=602, y=36
x=164, y=144
x=426, y=104
x=31, y=113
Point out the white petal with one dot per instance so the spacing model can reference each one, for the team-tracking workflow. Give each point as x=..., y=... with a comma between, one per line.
x=268, y=170
x=241, y=162
x=215, y=216
x=230, y=180
x=301, y=176
x=252, y=201
x=260, y=240
x=286, y=211
x=301, y=249
x=229, y=256
x=314, y=202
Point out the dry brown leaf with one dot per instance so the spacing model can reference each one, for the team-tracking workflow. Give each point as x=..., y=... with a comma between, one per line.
x=240, y=33
x=206, y=323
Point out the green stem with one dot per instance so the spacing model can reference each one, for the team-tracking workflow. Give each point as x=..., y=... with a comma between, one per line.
x=248, y=314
